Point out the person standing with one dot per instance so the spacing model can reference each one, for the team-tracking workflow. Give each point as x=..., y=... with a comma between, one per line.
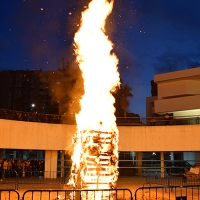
x=28, y=168
x=14, y=168
x=5, y=168
x=19, y=167
x=1, y=169
x=167, y=118
x=152, y=121
x=9, y=168
x=34, y=166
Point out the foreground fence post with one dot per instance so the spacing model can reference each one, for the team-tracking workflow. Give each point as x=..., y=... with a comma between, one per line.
x=16, y=180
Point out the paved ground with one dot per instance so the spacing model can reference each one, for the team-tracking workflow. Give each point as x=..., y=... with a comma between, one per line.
x=131, y=183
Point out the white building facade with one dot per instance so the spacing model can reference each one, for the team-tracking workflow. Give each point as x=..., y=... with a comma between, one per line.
x=178, y=93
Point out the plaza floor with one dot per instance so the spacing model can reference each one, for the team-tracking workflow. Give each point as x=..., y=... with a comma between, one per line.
x=131, y=183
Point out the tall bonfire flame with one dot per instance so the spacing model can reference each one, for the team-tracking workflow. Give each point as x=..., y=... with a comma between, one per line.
x=95, y=156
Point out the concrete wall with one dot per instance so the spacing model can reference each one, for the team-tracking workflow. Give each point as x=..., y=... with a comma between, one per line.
x=159, y=138
x=41, y=136
x=177, y=88
x=177, y=104
x=180, y=74
x=33, y=135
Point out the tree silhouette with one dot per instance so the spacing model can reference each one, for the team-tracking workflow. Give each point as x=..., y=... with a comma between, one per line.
x=124, y=94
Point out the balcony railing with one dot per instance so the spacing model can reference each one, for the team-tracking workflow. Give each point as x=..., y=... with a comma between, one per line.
x=121, y=121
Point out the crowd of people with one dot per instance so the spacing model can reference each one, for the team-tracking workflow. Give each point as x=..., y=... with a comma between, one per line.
x=166, y=120
x=29, y=116
x=22, y=168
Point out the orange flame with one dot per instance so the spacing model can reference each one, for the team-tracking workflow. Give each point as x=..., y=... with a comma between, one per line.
x=95, y=157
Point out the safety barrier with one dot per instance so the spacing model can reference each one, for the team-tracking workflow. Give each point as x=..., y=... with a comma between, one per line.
x=100, y=194
x=168, y=192
x=58, y=119
x=12, y=179
x=67, y=194
x=9, y=194
x=157, y=178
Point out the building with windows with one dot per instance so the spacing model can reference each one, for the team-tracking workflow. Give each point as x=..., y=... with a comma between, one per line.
x=147, y=146
x=18, y=89
x=178, y=93
x=144, y=143
x=36, y=90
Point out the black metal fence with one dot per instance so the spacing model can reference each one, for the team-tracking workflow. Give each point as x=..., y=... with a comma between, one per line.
x=9, y=194
x=175, y=180
x=121, y=121
x=186, y=192
x=100, y=194
x=13, y=179
x=191, y=192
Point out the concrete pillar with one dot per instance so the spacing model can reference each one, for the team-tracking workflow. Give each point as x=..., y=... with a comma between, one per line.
x=14, y=154
x=24, y=155
x=162, y=164
x=171, y=155
x=139, y=158
x=51, y=159
x=133, y=156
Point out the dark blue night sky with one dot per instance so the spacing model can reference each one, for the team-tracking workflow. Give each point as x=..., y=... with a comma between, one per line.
x=150, y=37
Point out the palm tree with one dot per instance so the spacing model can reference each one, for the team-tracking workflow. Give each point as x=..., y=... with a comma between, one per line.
x=125, y=93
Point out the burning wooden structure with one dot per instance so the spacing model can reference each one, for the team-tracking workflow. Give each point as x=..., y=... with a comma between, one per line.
x=98, y=160
x=95, y=155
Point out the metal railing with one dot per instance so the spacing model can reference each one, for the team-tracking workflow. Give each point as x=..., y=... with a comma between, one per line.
x=13, y=179
x=100, y=194
x=175, y=180
x=9, y=194
x=159, y=120
x=150, y=192
x=151, y=169
x=168, y=192
x=147, y=167
x=127, y=121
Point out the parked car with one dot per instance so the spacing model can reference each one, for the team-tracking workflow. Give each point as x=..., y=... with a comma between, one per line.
x=177, y=167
